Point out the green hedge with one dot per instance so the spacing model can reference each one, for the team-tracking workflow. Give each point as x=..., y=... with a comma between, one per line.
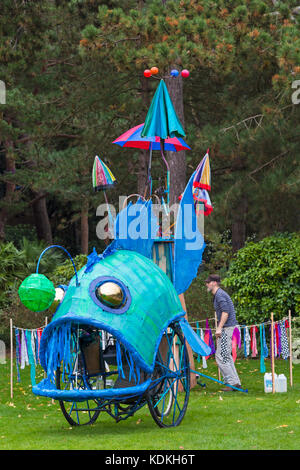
x=264, y=277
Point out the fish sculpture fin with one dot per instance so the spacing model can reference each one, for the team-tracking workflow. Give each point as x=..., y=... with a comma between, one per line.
x=189, y=242
x=129, y=221
x=196, y=343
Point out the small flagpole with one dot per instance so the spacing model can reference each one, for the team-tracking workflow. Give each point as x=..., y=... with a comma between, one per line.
x=291, y=349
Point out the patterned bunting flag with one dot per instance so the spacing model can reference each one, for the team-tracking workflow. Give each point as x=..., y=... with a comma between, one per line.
x=246, y=341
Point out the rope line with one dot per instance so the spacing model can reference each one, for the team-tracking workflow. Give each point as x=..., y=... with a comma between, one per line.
x=30, y=329
x=242, y=325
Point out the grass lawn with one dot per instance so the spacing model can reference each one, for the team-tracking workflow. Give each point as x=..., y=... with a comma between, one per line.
x=214, y=419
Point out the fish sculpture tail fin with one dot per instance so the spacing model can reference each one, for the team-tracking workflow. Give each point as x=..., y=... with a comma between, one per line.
x=196, y=343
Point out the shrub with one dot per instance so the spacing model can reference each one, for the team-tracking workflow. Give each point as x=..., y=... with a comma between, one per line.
x=65, y=271
x=199, y=302
x=264, y=277
x=16, y=264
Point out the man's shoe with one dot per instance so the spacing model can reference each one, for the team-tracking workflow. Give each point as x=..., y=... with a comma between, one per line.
x=230, y=389
x=238, y=386
x=227, y=389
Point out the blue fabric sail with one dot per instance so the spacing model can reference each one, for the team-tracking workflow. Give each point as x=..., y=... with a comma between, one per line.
x=189, y=242
x=135, y=229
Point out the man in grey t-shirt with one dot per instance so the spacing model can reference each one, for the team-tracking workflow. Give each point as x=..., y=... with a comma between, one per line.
x=226, y=323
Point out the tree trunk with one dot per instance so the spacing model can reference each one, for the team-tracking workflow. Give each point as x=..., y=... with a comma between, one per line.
x=239, y=225
x=10, y=189
x=176, y=160
x=41, y=217
x=85, y=228
x=143, y=189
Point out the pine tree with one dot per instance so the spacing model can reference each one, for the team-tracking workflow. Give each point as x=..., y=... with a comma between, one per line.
x=243, y=57
x=74, y=78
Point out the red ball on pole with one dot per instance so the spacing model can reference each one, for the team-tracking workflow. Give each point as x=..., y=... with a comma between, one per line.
x=147, y=73
x=185, y=73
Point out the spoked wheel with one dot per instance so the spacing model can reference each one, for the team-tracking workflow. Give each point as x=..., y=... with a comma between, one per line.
x=168, y=396
x=77, y=413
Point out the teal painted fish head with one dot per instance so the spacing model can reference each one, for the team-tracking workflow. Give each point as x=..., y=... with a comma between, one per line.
x=124, y=294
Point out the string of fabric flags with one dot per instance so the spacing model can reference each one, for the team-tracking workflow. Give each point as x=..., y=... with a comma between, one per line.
x=28, y=344
x=247, y=335
x=27, y=350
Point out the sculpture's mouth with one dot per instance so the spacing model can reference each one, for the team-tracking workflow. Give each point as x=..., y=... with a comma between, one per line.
x=83, y=361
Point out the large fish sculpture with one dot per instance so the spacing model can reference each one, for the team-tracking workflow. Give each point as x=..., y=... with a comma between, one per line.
x=123, y=297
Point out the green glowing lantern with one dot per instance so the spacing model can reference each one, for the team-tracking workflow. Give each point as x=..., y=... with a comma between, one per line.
x=37, y=292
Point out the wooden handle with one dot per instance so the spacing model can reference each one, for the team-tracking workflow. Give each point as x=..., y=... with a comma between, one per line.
x=291, y=349
x=11, y=358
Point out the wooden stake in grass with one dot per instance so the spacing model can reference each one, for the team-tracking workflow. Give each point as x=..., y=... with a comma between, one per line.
x=11, y=358
x=272, y=352
x=291, y=349
x=193, y=380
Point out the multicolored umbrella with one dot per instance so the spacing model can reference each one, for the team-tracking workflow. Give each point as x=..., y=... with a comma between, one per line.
x=202, y=196
x=201, y=184
x=202, y=177
x=103, y=179
x=102, y=176
x=133, y=138
x=161, y=119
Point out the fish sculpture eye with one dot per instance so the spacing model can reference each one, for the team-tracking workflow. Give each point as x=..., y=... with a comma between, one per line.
x=110, y=294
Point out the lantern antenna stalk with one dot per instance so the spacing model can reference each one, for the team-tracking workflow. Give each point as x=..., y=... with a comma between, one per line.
x=62, y=248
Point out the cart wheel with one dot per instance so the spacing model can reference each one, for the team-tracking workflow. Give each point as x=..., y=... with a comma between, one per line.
x=77, y=413
x=168, y=395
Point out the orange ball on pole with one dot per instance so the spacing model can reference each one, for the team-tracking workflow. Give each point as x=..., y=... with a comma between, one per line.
x=154, y=70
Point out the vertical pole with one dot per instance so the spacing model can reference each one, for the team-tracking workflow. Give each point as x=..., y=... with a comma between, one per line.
x=291, y=349
x=11, y=358
x=272, y=353
x=216, y=324
x=193, y=380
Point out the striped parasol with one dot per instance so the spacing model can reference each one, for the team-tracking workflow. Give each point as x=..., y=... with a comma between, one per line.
x=133, y=138
x=202, y=178
x=102, y=176
x=201, y=186
x=103, y=179
x=202, y=196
